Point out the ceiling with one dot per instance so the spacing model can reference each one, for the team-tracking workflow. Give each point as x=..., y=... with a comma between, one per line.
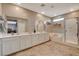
x=51, y=9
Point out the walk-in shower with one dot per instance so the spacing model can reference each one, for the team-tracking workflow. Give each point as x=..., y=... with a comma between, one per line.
x=71, y=30
x=66, y=30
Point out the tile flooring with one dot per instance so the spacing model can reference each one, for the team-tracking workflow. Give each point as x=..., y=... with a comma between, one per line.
x=49, y=48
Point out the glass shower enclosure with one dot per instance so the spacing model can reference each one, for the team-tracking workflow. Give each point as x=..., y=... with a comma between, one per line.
x=58, y=30
x=71, y=30
x=66, y=30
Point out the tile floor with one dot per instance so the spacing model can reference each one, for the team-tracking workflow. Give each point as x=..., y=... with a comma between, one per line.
x=49, y=48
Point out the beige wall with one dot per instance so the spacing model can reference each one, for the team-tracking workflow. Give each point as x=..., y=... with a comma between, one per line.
x=0, y=10
x=68, y=15
x=56, y=29
x=16, y=11
x=21, y=26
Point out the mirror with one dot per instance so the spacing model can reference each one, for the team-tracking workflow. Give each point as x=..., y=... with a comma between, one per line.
x=39, y=26
x=11, y=26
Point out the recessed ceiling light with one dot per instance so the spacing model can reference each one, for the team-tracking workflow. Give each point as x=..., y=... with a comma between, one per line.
x=54, y=14
x=17, y=8
x=43, y=12
x=18, y=3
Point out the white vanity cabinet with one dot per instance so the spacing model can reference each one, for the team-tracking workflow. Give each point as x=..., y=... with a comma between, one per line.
x=25, y=42
x=0, y=47
x=43, y=37
x=10, y=45
x=15, y=43
x=35, y=39
x=39, y=38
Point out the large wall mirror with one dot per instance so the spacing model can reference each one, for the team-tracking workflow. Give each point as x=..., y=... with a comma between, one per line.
x=11, y=26
x=1, y=25
x=40, y=26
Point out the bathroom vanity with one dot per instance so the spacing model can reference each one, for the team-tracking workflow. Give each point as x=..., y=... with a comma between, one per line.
x=13, y=43
x=13, y=23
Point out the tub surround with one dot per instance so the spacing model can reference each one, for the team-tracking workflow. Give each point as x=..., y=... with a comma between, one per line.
x=13, y=43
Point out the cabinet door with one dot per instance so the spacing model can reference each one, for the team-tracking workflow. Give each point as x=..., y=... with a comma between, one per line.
x=29, y=41
x=25, y=42
x=10, y=45
x=43, y=37
x=35, y=39
x=0, y=47
x=15, y=44
x=46, y=37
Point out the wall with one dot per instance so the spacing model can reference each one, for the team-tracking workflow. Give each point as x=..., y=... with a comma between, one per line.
x=68, y=15
x=16, y=11
x=71, y=30
x=0, y=34
x=21, y=26
x=0, y=10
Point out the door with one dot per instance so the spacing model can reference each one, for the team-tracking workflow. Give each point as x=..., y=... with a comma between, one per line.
x=71, y=30
x=35, y=39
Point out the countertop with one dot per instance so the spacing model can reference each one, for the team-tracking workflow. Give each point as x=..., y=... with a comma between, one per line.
x=18, y=34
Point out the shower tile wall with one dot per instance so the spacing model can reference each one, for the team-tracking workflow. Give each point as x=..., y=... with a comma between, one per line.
x=71, y=30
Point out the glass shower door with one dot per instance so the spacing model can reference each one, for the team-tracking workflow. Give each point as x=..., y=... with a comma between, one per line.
x=58, y=30
x=71, y=30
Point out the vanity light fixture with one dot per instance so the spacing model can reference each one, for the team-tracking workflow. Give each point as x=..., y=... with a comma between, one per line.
x=10, y=22
x=58, y=19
